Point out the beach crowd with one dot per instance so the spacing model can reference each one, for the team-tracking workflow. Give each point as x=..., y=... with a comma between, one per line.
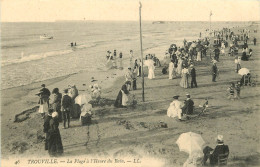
x=178, y=62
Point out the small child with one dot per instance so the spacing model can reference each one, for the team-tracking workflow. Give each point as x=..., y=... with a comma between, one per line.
x=237, y=88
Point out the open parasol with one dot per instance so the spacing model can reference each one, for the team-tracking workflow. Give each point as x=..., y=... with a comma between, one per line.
x=190, y=142
x=243, y=71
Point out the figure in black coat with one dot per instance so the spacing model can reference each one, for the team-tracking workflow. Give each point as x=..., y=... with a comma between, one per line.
x=188, y=106
x=46, y=127
x=211, y=154
x=214, y=71
x=193, y=77
x=217, y=52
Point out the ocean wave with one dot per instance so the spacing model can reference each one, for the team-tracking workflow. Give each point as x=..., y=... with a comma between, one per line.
x=34, y=57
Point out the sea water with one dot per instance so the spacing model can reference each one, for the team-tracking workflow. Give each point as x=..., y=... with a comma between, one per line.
x=25, y=58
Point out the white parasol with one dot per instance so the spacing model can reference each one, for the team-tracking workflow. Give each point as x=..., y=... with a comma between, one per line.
x=243, y=71
x=83, y=99
x=190, y=143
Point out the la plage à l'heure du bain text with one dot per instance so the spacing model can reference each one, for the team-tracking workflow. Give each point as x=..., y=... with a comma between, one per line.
x=81, y=161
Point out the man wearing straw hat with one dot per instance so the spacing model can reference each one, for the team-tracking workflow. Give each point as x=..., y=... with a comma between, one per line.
x=211, y=154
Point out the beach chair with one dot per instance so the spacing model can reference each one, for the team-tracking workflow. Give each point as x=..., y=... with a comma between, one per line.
x=204, y=108
x=222, y=159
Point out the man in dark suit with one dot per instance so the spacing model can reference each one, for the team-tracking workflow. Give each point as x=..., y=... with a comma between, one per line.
x=188, y=106
x=193, y=76
x=211, y=154
x=46, y=127
x=217, y=52
x=214, y=71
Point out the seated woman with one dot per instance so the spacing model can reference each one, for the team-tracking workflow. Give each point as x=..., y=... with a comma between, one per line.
x=244, y=56
x=122, y=97
x=246, y=79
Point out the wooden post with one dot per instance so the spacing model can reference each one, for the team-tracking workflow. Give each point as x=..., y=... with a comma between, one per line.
x=140, y=19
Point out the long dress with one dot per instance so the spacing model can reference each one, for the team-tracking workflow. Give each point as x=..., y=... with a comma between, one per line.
x=184, y=80
x=55, y=146
x=179, y=68
x=171, y=68
x=199, y=56
x=122, y=97
x=174, y=109
x=151, y=71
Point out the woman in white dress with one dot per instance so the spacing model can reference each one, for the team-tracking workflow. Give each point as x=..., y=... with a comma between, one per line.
x=175, y=108
x=184, y=80
x=171, y=69
x=151, y=70
x=223, y=48
x=199, y=55
x=179, y=67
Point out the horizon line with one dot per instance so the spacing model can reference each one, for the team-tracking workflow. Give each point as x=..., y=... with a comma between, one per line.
x=119, y=21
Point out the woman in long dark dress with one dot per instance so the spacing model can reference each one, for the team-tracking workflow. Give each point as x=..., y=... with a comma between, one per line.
x=55, y=147
x=121, y=99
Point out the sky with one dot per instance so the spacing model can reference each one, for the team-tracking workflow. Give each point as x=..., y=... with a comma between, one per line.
x=128, y=10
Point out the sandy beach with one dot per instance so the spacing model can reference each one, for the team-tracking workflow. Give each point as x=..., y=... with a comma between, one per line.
x=134, y=132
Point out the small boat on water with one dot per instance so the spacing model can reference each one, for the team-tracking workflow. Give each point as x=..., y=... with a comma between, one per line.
x=46, y=37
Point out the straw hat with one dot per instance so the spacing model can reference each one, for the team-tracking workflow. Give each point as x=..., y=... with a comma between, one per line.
x=220, y=138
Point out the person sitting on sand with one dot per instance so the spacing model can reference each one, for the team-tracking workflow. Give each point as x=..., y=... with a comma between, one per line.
x=188, y=106
x=211, y=154
x=175, y=109
x=164, y=70
x=96, y=92
x=122, y=97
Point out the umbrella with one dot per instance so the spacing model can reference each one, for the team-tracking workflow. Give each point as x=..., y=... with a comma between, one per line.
x=243, y=71
x=82, y=99
x=190, y=142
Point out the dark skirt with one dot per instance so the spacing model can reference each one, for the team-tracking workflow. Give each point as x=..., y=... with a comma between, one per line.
x=55, y=147
x=118, y=102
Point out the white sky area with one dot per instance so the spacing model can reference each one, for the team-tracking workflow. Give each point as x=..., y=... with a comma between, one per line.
x=128, y=10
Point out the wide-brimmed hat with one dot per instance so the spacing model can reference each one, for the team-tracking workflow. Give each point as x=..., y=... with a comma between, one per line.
x=54, y=114
x=220, y=139
x=176, y=96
